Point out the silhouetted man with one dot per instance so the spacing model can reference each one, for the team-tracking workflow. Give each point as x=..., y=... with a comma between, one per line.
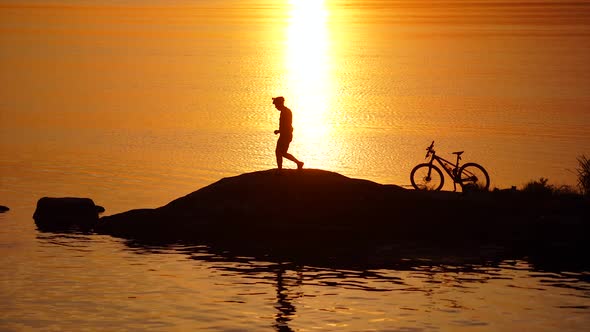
x=286, y=134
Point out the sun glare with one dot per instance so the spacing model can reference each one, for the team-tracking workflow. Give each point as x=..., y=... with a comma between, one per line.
x=309, y=82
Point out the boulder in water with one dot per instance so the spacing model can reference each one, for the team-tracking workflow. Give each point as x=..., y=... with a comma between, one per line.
x=52, y=212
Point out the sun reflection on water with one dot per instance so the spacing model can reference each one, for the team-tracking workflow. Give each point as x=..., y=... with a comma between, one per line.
x=308, y=77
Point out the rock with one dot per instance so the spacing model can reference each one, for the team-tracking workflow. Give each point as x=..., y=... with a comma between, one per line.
x=301, y=208
x=66, y=212
x=260, y=202
x=3, y=208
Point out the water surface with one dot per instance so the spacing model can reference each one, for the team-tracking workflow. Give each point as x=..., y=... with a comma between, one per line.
x=136, y=104
x=76, y=281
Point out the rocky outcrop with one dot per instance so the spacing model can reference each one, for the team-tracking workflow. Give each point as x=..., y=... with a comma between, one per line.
x=321, y=208
x=293, y=203
x=3, y=208
x=55, y=213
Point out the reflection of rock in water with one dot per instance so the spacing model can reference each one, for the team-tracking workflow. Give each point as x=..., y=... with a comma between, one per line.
x=377, y=271
x=334, y=268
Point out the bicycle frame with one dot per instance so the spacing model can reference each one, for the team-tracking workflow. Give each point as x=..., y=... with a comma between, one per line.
x=447, y=166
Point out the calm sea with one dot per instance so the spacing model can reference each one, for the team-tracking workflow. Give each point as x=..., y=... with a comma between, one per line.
x=137, y=103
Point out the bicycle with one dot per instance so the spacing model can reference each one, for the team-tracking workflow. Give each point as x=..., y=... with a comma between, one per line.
x=427, y=176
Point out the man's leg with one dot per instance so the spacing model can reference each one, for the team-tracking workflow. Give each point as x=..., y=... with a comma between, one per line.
x=279, y=155
x=281, y=151
x=293, y=159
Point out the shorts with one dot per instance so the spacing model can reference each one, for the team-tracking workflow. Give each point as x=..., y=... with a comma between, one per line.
x=283, y=143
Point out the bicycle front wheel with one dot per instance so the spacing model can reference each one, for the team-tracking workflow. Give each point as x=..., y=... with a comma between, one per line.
x=473, y=176
x=427, y=177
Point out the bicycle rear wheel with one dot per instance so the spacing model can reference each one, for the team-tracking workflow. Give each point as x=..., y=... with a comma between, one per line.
x=473, y=176
x=427, y=177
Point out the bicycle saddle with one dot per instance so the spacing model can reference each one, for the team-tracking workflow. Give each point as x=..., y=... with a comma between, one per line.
x=458, y=153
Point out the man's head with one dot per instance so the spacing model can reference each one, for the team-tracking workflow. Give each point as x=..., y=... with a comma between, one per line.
x=278, y=102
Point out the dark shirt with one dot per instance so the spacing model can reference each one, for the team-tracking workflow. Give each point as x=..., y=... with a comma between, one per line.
x=286, y=121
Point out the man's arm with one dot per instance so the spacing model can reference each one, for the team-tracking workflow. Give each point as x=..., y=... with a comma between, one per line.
x=278, y=131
